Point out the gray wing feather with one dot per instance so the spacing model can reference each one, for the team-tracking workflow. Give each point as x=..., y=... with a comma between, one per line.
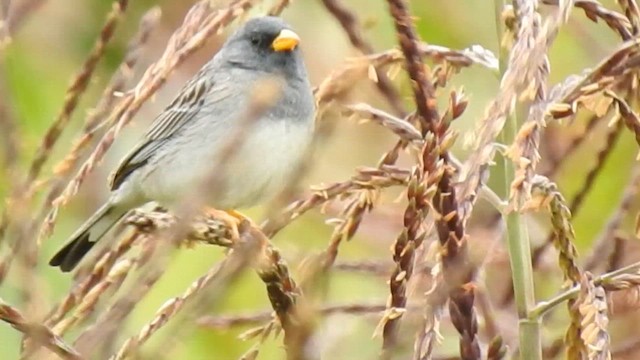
x=183, y=108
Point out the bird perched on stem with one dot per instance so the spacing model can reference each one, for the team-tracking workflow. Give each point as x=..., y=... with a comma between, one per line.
x=183, y=147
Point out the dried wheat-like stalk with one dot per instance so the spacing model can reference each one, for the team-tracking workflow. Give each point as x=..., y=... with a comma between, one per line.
x=5, y=37
x=295, y=320
x=87, y=303
x=199, y=25
x=632, y=12
x=525, y=59
x=602, y=244
x=39, y=334
x=343, y=79
x=431, y=186
x=19, y=12
x=218, y=276
x=108, y=100
x=98, y=274
x=524, y=152
x=545, y=193
x=594, y=11
x=555, y=161
x=585, y=91
x=25, y=249
x=224, y=322
x=76, y=89
x=578, y=200
x=349, y=23
x=366, y=178
x=279, y=7
x=105, y=274
x=592, y=306
x=627, y=115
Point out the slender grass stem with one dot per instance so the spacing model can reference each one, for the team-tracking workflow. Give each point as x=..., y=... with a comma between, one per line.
x=517, y=236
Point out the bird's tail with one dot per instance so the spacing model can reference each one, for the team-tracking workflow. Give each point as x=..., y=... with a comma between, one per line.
x=86, y=236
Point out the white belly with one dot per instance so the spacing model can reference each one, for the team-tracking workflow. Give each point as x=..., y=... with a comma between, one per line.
x=257, y=171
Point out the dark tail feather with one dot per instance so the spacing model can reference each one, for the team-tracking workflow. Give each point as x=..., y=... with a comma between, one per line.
x=71, y=254
x=87, y=235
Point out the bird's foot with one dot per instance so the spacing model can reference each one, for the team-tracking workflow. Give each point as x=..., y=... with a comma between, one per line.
x=231, y=218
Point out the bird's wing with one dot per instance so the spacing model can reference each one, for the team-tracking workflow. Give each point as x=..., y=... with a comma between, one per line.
x=183, y=108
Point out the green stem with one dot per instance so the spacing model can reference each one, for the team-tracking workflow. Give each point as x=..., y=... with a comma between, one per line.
x=545, y=306
x=517, y=236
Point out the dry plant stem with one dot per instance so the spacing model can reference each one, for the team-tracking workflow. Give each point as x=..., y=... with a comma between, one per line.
x=517, y=236
x=99, y=272
x=545, y=193
x=215, y=282
x=576, y=202
x=74, y=92
x=24, y=248
x=556, y=162
x=592, y=307
x=226, y=322
x=620, y=279
x=602, y=244
x=19, y=11
x=349, y=23
x=278, y=7
x=108, y=100
x=366, y=178
x=39, y=334
x=594, y=11
x=431, y=185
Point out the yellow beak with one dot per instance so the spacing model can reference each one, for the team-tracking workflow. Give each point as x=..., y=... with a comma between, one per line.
x=287, y=40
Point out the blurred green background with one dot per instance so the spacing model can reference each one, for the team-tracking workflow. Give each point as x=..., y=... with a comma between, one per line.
x=49, y=46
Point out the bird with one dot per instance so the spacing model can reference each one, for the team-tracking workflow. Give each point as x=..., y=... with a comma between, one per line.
x=180, y=148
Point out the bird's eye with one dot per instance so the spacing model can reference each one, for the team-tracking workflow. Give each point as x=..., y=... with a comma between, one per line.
x=255, y=40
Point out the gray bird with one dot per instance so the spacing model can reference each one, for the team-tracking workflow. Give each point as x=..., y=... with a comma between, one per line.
x=183, y=143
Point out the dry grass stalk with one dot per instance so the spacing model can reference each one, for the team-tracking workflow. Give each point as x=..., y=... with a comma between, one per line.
x=97, y=274
x=343, y=79
x=203, y=293
x=545, y=193
x=592, y=305
x=224, y=322
x=5, y=37
x=627, y=115
x=578, y=199
x=200, y=24
x=272, y=269
x=295, y=320
x=366, y=178
x=555, y=162
x=9, y=143
x=350, y=25
x=39, y=334
x=87, y=303
x=524, y=152
x=24, y=248
x=365, y=112
x=594, y=11
x=585, y=90
x=525, y=59
x=431, y=186
x=108, y=100
x=631, y=11
x=75, y=90
x=19, y=12
x=602, y=244
x=218, y=276
x=278, y=7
